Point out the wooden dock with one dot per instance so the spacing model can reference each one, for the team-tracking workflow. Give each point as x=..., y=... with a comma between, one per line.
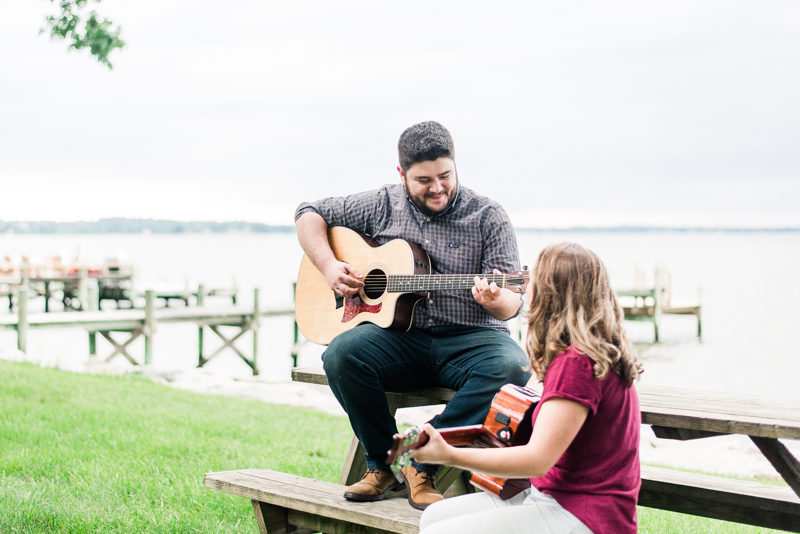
x=650, y=304
x=143, y=322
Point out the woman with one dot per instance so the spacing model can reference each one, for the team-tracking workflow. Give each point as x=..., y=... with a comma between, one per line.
x=583, y=454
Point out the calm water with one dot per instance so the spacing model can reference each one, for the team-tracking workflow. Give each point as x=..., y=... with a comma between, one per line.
x=750, y=344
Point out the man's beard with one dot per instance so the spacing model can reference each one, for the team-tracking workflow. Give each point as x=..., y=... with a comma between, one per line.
x=423, y=207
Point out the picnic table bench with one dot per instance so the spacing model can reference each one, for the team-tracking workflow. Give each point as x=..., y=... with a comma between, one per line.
x=673, y=413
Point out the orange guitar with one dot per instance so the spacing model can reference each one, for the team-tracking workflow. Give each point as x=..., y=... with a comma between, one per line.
x=507, y=425
x=397, y=275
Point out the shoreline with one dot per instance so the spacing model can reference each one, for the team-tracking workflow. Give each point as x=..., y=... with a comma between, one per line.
x=733, y=455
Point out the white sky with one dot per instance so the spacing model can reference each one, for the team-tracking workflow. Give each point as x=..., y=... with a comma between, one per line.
x=680, y=113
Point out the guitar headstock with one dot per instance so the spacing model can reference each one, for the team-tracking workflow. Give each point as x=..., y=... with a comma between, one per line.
x=403, y=447
x=517, y=281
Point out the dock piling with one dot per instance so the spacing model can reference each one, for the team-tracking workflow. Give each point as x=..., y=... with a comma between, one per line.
x=83, y=286
x=92, y=304
x=149, y=324
x=201, y=297
x=22, y=320
x=256, y=324
x=295, y=345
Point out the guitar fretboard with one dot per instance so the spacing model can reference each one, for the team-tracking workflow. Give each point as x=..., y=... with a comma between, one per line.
x=438, y=282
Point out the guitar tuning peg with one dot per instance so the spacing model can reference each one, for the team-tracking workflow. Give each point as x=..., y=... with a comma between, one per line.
x=524, y=267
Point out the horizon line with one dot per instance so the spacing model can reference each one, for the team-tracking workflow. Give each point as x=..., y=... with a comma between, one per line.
x=140, y=225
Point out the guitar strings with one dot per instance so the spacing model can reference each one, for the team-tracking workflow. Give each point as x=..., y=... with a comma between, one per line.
x=373, y=281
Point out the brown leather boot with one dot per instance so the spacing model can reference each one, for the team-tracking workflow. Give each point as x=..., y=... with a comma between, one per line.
x=421, y=492
x=373, y=486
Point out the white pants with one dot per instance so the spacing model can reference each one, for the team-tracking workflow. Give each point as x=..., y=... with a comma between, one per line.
x=530, y=512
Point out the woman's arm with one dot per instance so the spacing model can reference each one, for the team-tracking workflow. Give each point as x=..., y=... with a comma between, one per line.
x=557, y=424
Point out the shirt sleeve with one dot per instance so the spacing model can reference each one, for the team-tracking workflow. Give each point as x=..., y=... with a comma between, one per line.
x=357, y=212
x=571, y=376
x=500, y=243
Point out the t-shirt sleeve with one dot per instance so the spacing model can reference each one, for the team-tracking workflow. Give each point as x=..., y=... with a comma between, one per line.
x=570, y=376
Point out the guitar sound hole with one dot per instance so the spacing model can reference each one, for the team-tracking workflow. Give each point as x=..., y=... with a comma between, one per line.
x=375, y=284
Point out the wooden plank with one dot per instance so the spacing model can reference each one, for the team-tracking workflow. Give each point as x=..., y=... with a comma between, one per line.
x=740, y=501
x=682, y=310
x=682, y=434
x=271, y=519
x=781, y=459
x=422, y=397
x=355, y=464
x=643, y=292
x=317, y=523
x=722, y=413
x=112, y=319
x=310, y=375
x=100, y=320
x=316, y=497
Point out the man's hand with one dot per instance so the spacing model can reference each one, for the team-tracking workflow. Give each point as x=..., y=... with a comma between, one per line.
x=500, y=303
x=343, y=279
x=486, y=293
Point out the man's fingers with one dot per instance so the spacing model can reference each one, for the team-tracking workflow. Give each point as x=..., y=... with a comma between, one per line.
x=352, y=272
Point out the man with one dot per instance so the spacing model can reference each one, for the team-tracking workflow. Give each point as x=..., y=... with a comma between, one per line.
x=458, y=338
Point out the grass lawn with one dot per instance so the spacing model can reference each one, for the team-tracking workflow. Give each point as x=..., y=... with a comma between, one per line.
x=95, y=454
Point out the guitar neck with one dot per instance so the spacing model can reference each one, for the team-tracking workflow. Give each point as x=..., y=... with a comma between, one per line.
x=473, y=435
x=461, y=436
x=405, y=283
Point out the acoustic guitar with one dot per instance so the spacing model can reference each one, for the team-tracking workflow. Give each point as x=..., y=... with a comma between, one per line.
x=397, y=275
x=507, y=425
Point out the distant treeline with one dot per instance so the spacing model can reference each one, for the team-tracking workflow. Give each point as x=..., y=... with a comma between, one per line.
x=639, y=229
x=162, y=226
x=136, y=226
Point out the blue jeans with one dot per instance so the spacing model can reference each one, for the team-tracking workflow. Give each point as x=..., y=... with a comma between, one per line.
x=365, y=362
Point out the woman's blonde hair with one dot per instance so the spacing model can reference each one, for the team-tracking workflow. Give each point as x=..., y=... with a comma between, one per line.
x=573, y=304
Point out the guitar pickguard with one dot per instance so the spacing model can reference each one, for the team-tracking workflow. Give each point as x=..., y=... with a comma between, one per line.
x=353, y=306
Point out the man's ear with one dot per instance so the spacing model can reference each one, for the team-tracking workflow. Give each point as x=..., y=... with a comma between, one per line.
x=402, y=174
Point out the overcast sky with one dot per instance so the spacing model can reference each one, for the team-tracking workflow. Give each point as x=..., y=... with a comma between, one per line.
x=567, y=113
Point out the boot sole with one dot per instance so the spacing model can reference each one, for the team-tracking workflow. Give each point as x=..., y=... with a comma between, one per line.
x=358, y=497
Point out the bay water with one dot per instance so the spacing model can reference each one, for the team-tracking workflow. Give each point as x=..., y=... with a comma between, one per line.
x=747, y=283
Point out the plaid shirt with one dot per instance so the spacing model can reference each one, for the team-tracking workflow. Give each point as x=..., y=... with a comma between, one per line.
x=473, y=236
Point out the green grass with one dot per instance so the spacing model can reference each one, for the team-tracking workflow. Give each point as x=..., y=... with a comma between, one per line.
x=84, y=454
x=95, y=454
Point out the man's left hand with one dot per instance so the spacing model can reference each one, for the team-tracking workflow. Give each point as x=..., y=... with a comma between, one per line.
x=486, y=293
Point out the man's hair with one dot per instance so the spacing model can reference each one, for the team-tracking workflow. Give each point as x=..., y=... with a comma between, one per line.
x=573, y=304
x=426, y=141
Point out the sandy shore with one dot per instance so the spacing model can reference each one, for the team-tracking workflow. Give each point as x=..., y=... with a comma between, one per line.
x=724, y=455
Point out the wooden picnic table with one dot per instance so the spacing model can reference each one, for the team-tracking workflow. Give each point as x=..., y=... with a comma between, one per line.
x=678, y=414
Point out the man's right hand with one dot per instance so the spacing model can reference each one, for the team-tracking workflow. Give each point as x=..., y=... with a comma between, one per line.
x=343, y=279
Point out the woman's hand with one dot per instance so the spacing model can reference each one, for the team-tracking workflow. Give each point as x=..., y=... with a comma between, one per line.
x=436, y=451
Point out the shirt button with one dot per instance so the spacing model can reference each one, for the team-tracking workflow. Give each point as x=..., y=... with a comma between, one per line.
x=430, y=320
x=428, y=219
x=430, y=301
x=426, y=241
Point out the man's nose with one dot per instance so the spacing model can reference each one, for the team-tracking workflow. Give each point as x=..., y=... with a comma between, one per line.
x=436, y=186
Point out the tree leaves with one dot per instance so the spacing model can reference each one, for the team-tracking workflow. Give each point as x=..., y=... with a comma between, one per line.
x=95, y=34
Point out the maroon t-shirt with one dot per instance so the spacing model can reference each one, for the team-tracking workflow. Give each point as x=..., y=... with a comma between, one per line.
x=598, y=477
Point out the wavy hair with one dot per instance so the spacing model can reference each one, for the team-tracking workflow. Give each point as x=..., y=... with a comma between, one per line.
x=573, y=304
